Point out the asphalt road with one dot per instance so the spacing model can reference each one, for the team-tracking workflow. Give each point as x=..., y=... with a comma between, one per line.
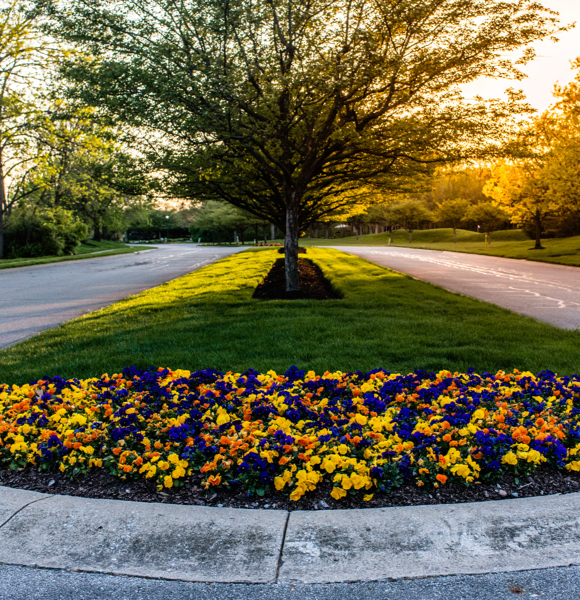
x=40, y=297
x=23, y=583
x=547, y=292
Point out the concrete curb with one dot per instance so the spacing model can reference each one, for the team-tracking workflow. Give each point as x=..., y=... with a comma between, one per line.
x=193, y=543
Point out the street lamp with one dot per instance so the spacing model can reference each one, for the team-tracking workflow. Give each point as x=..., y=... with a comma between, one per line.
x=167, y=229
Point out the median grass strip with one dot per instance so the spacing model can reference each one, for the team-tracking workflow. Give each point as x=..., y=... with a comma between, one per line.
x=208, y=319
x=508, y=244
x=89, y=249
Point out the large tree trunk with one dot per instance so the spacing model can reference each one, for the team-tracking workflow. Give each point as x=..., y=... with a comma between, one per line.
x=1, y=232
x=538, y=222
x=410, y=236
x=291, y=248
x=455, y=235
x=3, y=208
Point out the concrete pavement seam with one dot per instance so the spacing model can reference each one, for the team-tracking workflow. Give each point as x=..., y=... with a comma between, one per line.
x=282, y=547
x=47, y=497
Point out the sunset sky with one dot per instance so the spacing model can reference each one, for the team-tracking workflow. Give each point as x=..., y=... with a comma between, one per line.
x=551, y=66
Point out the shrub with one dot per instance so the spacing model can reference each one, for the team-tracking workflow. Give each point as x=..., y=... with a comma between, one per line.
x=44, y=232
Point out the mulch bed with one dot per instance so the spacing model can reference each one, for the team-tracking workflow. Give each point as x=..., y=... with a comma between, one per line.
x=101, y=484
x=313, y=285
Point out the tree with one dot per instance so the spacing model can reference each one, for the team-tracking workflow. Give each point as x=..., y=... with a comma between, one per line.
x=21, y=51
x=274, y=105
x=452, y=212
x=222, y=217
x=522, y=191
x=409, y=214
x=560, y=128
x=543, y=178
x=458, y=183
x=488, y=216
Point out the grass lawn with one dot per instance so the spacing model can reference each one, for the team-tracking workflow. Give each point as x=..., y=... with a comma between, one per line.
x=509, y=244
x=208, y=320
x=88, y=249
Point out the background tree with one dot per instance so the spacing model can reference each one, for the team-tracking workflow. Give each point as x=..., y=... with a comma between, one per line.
x=560, y=128
x=452, y=212
x=225, y=220
x=274, y=105
x=458, y=182
x=488, y=216
x=523, y=193
x=22, y=50
x=409, y=215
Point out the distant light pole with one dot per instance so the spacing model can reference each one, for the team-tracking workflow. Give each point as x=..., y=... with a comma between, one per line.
x=167, y=229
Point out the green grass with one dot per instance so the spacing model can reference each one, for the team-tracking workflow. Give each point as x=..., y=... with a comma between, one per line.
x=511, y=243
x=207, y=319
x=90, y=249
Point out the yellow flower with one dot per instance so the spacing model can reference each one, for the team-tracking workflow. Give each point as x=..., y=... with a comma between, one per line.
x=368, y=497
x=510, y=458
x=223, y=418
x=173, y=458
x=337, y=493
x=279, y=483
x=297, y=494
x=168, y=481
x=178, y=472
x=357, y=481
x=328, y=465
x=361, y=419
x=460, y=470
x=346, y=483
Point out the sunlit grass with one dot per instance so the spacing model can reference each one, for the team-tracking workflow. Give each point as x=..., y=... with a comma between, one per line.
x=208, y=319
x=509, y=244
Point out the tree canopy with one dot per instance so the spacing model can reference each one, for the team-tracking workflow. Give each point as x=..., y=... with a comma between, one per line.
x=277, y=105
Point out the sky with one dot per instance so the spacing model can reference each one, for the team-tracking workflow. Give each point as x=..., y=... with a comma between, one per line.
x=551, y=65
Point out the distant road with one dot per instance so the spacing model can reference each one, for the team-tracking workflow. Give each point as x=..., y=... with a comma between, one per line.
x=547, y=292
x=43, y=296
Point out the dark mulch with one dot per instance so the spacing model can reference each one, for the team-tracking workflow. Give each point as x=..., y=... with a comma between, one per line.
x=313, y=285
x=301, y=250
x=101, y=484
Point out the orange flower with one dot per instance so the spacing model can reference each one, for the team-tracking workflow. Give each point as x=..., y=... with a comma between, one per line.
x=447, y=437
x=441, y=478
x=214, y=479
x=117, y=451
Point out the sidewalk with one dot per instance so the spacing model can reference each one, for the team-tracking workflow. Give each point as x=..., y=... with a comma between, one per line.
x=203, y=544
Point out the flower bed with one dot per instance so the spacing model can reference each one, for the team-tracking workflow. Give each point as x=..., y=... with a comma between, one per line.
x=292, y=433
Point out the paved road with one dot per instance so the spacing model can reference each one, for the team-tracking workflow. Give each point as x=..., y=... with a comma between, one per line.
x=23, y=583
x=547, y=292
x=40, y=297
